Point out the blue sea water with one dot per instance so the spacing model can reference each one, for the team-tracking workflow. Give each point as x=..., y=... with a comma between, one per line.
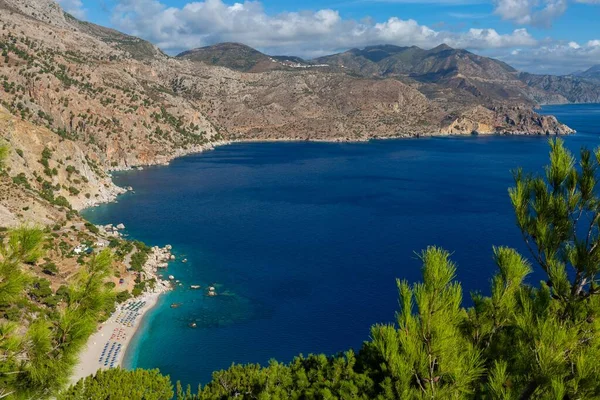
x=304, y=241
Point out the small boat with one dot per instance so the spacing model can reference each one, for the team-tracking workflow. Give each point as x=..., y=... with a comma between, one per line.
x=194, y=286
x=175, y=305
x=192, y=325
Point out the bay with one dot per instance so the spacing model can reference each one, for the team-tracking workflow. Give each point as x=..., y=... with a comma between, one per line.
x=303, y=241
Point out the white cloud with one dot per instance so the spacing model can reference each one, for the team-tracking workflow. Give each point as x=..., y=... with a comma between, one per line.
x=316, y=33
x=73, y=7
x=556, y=58
x=298, y=33
x=531, y=12
x=445, y=2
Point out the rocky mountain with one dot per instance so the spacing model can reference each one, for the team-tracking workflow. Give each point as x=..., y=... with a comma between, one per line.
x=437, y=64
x=483, y=77
x=551, y=89
x=440, y=73
x=242, y=58
x=591, y=73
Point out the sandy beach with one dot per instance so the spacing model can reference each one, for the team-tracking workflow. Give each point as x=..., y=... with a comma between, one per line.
x=117, y=331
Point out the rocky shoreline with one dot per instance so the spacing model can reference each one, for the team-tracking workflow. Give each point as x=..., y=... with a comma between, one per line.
x=462, y=127
x=158, y=259
x=88, y=364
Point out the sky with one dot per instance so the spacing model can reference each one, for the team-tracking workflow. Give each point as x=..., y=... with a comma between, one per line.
x=539, y=36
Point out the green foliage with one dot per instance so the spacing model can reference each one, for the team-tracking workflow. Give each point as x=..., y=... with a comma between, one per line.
x=50, y=268
x=427, y=353
x=92, y=228
x=139, y=288
x=559, y=218
x=3, y=155
x=25, y=245
x=21, y=179
x=117, y=384
x=314, y=377
x=123, y=296
x=138, y=260
x=37, y=363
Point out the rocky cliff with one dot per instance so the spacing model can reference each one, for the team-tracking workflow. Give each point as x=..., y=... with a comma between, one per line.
x=550, y=89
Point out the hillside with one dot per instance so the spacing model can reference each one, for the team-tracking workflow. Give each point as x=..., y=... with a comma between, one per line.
x=187, y=99
x=426, y=65
x=592, y=73
x=563, y=89
x=241, y=58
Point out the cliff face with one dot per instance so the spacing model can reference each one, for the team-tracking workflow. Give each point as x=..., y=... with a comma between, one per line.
x=551, y=89
x=505, y=120
x=41, y=162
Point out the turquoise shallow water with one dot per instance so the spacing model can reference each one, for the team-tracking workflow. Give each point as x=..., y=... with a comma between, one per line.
x=303, y=241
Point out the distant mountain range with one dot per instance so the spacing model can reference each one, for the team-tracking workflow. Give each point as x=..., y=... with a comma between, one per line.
x=442, y=66
x=592, y=73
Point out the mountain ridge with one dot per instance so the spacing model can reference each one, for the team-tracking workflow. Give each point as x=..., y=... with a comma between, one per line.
x=591, y=73
x=442, y=64
x=241, y=57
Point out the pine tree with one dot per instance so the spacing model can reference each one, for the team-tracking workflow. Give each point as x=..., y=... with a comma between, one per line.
x=558, y=215
x=426, y=355
x=23, y=245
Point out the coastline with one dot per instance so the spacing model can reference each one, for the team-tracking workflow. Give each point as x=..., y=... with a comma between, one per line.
x=112, y=192
x=88, y=358
x=120, y=328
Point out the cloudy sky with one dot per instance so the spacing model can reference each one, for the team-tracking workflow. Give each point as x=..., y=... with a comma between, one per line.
x=544, y=36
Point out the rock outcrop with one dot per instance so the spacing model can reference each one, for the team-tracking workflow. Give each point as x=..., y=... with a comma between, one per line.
x=505, y=120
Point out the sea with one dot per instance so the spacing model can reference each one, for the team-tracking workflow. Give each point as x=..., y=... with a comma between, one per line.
x=303, y=241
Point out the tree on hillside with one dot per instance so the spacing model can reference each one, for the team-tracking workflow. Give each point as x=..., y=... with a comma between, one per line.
x=3, y=155
x=61, y=336
x=117, y=384
x=39, y=346
x=23, y=245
